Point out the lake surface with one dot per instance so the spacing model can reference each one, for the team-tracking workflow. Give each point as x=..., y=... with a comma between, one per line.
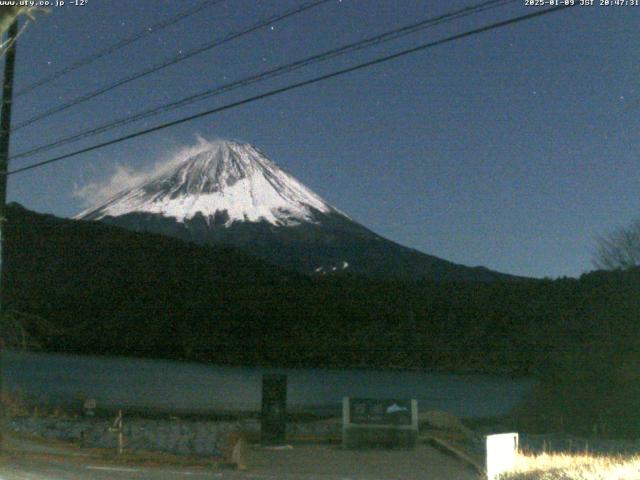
x=163, y=385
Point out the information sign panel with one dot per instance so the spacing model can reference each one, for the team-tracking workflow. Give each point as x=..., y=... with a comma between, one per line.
x=388, y=422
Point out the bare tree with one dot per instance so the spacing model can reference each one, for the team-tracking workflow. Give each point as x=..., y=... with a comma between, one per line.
x=620, y=249
x=24, y=331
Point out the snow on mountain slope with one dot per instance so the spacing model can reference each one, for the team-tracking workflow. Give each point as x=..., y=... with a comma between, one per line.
x=228, y=193
x=225, y=177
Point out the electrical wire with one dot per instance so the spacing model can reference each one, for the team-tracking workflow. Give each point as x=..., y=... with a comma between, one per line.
x=170, y=61
x=118, y=45
x=274, y=72
x=293, y=86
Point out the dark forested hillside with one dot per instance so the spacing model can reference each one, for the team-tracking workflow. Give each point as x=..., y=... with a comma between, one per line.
x=114, y=291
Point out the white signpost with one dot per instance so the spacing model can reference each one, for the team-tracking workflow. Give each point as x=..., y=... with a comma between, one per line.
x=501, y=453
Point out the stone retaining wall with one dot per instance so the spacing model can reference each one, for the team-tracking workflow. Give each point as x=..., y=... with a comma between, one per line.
x=181, y=437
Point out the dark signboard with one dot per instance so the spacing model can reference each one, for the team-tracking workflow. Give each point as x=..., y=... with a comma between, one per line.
x=273, y=424
x=370, y=411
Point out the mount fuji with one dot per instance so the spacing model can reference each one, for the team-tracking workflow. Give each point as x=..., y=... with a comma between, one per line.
x=231, y=193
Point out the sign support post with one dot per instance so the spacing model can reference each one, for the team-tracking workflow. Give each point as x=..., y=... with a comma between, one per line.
x=273, y=421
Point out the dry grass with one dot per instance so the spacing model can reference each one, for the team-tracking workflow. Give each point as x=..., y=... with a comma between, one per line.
x=575, y=467
x=15, y=404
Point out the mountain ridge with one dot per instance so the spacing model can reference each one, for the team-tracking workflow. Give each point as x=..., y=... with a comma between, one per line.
x=227, y=176
x=231, y=193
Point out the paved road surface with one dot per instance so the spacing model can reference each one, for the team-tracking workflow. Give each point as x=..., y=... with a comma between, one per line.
x=306, y=462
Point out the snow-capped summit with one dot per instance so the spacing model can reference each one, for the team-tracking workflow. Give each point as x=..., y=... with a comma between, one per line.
x=228, y=193
x=226, y=180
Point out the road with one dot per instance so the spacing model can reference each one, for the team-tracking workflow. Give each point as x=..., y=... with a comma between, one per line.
x=305, y=462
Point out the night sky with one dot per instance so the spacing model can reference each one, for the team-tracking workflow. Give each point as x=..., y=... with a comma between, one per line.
x=511, y=149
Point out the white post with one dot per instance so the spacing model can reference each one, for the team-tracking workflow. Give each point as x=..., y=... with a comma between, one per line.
x=501, y=452
x=117, y=427
x=120, y=433
x=346, y=416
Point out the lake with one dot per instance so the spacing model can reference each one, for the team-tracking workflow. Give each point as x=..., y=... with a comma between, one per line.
x=171, y=386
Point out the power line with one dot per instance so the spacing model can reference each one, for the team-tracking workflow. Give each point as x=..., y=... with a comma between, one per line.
x=293, y=86
x=387, y=36
x=171, y=61
x=121, y=44
x=349, y=48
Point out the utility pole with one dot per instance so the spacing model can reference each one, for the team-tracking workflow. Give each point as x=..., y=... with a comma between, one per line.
x=5, y=130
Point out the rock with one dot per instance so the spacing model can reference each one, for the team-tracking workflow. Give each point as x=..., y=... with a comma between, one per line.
x=239, y=453
x=234, y=449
